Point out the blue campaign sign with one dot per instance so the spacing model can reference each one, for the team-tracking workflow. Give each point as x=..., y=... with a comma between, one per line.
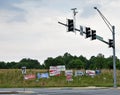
x=38, y=75
x=97, y=71
x=44, y=75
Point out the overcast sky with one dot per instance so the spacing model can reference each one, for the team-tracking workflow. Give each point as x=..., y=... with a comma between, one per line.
x=30, y=29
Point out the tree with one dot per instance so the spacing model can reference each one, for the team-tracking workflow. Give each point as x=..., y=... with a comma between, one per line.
x=85, y=61
x=29, y=63
x=67, y=58
x=71, y=62
x=97, y=62
x=118, y=64
x=59, y=61
x=76, y=64
x=2, y=65
x=49, y=62
x=109, y=62
x=11, y=65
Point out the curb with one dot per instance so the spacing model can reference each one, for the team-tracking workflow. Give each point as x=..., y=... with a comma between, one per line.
x=26, y=92
x=16, y=92
x=92, y=87
x=85, y=88
x=8, y=92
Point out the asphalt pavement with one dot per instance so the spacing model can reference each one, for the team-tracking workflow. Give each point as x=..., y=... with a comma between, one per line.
x=61, y=91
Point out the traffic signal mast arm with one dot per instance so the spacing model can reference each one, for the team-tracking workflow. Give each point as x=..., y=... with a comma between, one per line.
x=67, y=26
x=97, y=37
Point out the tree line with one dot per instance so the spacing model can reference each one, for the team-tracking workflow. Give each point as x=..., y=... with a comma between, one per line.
x=70, y=61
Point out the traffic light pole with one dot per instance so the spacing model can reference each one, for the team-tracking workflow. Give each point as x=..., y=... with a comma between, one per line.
x=114, y=58
x=112, y=29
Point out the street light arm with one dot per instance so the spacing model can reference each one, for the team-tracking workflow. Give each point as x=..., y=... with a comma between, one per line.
x=104, y=19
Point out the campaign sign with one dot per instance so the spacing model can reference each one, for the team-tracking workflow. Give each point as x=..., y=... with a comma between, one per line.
x=69, y=78
x=90, y=72
x=54, y=71
x=69, y=72
x=79, y=73
x=38, y=75
x=30, y=76
x=61, y=68
x=44, y=75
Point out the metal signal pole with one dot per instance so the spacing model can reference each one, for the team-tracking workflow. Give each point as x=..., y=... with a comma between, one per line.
x=114, y=58
x=112, y=29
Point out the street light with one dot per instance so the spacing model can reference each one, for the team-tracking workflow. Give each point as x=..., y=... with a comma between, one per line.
x=112, y=29
x=74, y=17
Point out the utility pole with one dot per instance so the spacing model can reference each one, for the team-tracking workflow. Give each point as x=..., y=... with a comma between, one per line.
x=112, y=29
x=74, y=17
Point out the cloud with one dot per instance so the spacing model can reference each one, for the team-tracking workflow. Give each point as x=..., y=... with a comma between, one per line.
x=34, y=32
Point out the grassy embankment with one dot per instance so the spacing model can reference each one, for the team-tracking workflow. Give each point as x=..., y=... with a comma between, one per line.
x=14, y=78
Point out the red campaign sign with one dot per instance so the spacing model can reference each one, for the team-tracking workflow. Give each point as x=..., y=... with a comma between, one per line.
x=90, y=72
x=69, y=78
x=54, y=73
x=31, y=76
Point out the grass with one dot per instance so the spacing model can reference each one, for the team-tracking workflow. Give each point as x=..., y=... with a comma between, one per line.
x=14, y=78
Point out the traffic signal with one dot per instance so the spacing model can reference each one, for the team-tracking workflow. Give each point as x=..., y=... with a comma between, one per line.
x=88, y=34
x=110, y=42
x=93, y=34
x=70, y=25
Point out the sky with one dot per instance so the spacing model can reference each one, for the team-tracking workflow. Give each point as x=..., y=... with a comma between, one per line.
x=30, y=29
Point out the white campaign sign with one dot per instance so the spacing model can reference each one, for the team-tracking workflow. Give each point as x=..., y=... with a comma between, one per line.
x=69, y=72
x=54, y=71
x=90, y=72
x=61, y=68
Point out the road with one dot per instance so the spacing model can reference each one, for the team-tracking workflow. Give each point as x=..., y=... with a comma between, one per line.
x=60, y=91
